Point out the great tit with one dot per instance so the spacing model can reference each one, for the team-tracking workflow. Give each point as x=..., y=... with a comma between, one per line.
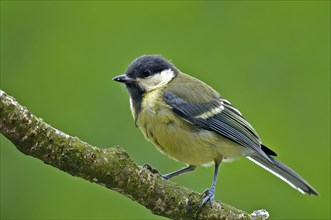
x=189, y=121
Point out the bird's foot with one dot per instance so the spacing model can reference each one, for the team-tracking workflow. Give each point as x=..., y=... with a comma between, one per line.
x=153, y=170
x=150, y=168
x=209, y=195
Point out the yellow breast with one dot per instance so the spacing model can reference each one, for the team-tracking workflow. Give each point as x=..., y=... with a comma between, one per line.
x=178, y=138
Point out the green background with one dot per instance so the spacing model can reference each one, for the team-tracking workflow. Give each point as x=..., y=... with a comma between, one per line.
x=271, y=59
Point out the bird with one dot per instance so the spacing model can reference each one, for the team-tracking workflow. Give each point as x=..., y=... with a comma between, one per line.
x=191, y=122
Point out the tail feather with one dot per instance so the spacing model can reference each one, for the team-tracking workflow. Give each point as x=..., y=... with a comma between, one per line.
x=285, y=173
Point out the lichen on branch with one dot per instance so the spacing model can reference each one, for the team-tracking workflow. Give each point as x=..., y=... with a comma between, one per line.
x=110, y=167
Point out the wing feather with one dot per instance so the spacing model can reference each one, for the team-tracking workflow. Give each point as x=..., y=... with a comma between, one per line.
x=216, y=115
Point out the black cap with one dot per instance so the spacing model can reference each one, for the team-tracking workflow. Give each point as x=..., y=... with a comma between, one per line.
x=147, y=65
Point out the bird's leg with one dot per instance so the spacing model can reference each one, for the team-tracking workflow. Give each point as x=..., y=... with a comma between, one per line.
x=210, y=193
x=179, y=172
x=173, y=174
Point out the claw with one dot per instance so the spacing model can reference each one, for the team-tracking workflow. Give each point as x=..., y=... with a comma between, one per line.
x=209, y=196
x=205, y=192
x=150, y=168
x=153, y=170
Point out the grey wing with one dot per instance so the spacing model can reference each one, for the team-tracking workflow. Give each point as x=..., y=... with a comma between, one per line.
x=219, y=116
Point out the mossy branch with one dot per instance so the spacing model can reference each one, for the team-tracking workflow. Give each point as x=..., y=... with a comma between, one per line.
x=111, y=167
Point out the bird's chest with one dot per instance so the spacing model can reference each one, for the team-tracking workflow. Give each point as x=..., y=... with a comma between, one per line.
x=158, y=123
x=154, y=119
x=172, y=135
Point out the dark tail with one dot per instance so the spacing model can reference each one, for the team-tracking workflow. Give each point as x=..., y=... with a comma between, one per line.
x=285, y=173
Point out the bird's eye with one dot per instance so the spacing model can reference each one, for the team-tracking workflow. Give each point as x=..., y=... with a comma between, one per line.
x=146, y=73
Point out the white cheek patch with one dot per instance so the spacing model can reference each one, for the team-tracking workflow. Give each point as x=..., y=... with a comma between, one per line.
x=157, y=80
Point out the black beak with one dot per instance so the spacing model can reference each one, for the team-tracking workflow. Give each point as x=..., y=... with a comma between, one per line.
x=124, y=79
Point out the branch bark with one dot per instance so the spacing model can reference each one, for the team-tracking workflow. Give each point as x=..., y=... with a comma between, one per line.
x=111, y=167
